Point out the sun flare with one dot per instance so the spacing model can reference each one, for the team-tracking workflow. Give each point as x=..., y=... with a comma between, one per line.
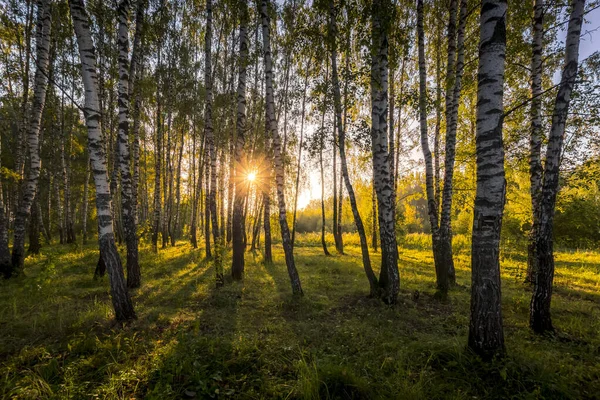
x=252, y=176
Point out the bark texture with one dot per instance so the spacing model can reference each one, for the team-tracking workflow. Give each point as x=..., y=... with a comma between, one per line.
x=441, y=270
x=389, y=279
x=536, y=133
x=486, y=335
x=341, y=132
x=108, y=251
x=540, y=319
x=271, y=127
x=127, y=198
x=29, y=190
x=241, y=184
x=210, y=142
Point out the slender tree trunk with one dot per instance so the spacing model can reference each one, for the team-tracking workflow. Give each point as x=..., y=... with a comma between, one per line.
x=108, y=250
x=127, y=207
x=34, y=229
x=374, y=235
x=540, y=319
x=268, y=259
x=453, y=88
x=389, y=279
x=323, y=220
x=341, y=131
x=210, y=141
x=300, y=145
x=271, y=128
x=59, y=209
x=438, y=121
x=167, y=181
x=176, y=228
x=441, y=271
x=486, y=335
x=33, y=135
x=86, y=192
x=5, y=264
x=241, y=186
x=334, y=225
x=135, y=76
x=537, y=134
x=256, y=228
x=157, y=159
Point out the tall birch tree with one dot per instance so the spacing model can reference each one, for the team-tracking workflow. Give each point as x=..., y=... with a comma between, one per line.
x=28, y=193
x=108, y=250
x=271, y=128
x=540, y=319
x=486, y=335
x=389, y=278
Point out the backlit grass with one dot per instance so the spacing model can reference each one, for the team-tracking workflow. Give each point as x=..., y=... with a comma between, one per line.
x=254, y=340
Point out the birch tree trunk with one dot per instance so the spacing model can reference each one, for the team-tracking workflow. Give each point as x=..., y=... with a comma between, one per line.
x=441, y=271
x=341, y=131
x=108, y=250
x=536, y=134
x=157, y=160
x=271, y=127
x=210, y=141
x=389, y=279
x=540, y=319
x=241, y=186
x=300, y=146
x=453, y=89
x=486, y=336
x=28, y=193
x=5, y=264
x=86, y=192
x=321, y=169
x=135, y=75
x=127, y=207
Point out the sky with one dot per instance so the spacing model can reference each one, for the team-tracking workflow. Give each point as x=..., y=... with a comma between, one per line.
x=590, y=42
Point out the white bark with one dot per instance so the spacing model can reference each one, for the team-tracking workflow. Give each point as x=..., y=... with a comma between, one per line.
x=486, y=335
x=540, y=319
x=271, y=128
x=389, y=279
x=29, y=190
x=108, y=251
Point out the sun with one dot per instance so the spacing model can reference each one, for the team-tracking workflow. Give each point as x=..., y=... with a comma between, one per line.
x=251, y=176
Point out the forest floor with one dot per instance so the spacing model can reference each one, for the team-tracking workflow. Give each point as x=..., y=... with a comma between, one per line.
x=253, y=340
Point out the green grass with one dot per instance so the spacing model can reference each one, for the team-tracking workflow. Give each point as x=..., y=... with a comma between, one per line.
x=254, y=340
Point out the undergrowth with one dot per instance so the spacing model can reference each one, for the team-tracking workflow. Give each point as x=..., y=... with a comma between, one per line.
x=253, y=340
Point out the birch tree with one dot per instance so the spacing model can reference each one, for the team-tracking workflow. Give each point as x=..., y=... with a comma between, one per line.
x=271, y=128
x=536, y=133
x=454, y=72
x=211, y=153
x=432, y=207
x=341, y=133
x=127, y=198
x=486, y=335
x=108, y=250
x=540, y=319
x=28, y=193
x=389, y=279
x=238, y=223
